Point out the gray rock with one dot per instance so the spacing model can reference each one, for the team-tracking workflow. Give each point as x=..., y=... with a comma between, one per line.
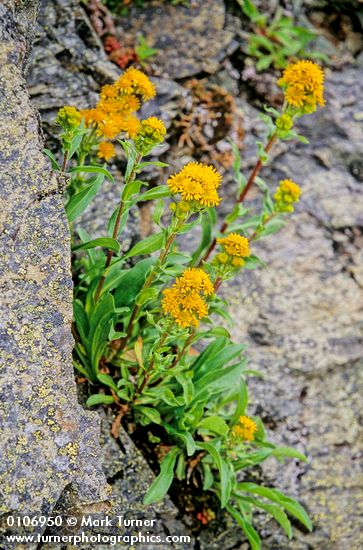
x=304, y=322
x=48, y=440
x=68, y=67
x=189, y=39
x=129, y=478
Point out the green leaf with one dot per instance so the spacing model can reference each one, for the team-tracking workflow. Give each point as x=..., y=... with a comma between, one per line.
x=220, y=359
x=143, y=50
x=147, y=245
x=188, y=387
x=214, y=424
x=264, y=62
x=272, y=227
x=113, y=278
x=99, y=399
x=100, y=323
x=209, y=352
x=156, y=193
x=52, y=158
x=252, y=459
x=185, y=436
x=79, y=202
x=161, y=484
x=146, y=295
x=224, y=471
x=253, y=261
x=251, y=534
x=282, y=452
x=242, y=402
x=238, y=211
x=208, y=478
x=93, y=170
x=290, y=505
x=218, y=381
x=107, y=380
x=77, y=139
x=151, y=163
x=151, y=414
x=106, y=242
x=275, y=511
x=131, y=189
x=180, y=468
x=81, y=321
x=131, y=283
x=158, y=212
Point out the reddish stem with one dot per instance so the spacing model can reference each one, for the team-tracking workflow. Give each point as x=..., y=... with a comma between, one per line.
x=243, y=194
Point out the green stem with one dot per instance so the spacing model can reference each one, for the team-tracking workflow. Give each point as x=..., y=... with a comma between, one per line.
x=258, y=230
x=243, y=194
x=151, y=366
x=150, y=279
x=116, y=231
x=184, y=349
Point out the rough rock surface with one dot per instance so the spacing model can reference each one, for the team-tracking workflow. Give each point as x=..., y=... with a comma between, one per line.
x=301, y=316
x=304, y=319
x=69, y=66
x=189, y=39
x=43, y=428
x=129, y=477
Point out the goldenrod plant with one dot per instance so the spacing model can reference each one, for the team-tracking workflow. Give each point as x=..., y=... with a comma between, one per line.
x=141, y=314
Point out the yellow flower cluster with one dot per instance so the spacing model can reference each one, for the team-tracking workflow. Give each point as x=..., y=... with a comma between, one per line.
x=106, y=150
x=235, y=248
x=303, y=83
x=151, y=133
x=68, y=117
x=245, y=429
x=184, y=302
x=115, y=112
x=286, y=194
x=135, y=82
x=154, y=128
x=197, y=184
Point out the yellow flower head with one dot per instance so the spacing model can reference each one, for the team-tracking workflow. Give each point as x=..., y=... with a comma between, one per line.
x=183, y=302
x=222, y=258
x=286, y=194
x=196, y=279
x=245, y=429
x=106, y=150
x=131, y=125
x=151, y=133
x=109, y=91
x=93, y=116
x=154, y=128
x=68, y=118
x=120, y=105
x=108, y=127
x=235, y=245
x=303, y=83
x=197, y=183
x=237, y=262
x=134, y=81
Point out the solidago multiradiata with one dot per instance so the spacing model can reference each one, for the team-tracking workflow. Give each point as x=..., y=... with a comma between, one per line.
x=138, y=312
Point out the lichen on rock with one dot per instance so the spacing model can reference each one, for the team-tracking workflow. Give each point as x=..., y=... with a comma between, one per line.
x=49, y=441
